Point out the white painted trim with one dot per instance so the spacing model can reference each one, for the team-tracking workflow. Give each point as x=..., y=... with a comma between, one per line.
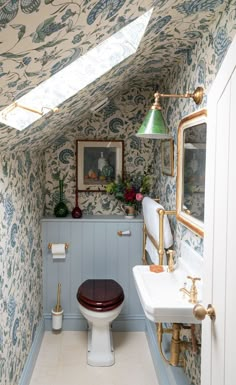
x=215, y=92
x=33, y=354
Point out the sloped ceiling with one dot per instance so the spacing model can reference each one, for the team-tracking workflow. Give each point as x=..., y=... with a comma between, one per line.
x=39, y=38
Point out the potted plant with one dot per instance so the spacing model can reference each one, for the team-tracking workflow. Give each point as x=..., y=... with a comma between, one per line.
x=130, y=191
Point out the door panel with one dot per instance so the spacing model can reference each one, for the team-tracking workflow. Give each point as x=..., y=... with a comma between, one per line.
x=230, y=318
x=218, y=337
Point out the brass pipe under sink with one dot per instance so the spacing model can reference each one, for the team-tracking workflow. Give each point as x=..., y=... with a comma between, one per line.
x=177, y=345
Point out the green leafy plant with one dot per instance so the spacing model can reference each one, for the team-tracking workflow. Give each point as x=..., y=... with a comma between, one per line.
x=130, y=190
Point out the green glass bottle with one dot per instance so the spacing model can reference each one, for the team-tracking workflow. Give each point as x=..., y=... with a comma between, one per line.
x=61, y=209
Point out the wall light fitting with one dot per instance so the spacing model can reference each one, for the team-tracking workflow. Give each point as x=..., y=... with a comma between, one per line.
x=153, y=126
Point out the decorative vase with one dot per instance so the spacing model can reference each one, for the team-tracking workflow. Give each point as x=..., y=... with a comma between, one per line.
x=76, y=212
x=129, y=211
x=61, y=209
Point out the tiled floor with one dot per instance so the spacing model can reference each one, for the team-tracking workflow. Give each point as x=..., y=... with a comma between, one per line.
x=62, y=361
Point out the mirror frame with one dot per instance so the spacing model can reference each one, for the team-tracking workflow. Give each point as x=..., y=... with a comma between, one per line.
x=182, y=216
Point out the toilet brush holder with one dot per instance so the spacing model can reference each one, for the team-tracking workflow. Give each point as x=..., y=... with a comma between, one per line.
x=57, y=317
x=57, y=312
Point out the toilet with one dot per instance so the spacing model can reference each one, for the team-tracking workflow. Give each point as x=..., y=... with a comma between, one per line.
x=100, y=302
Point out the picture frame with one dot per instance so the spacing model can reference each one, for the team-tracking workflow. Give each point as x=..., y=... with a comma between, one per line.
x=167, y=157
x=98, y=162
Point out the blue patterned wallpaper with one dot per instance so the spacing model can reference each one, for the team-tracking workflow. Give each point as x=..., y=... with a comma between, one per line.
x=118, y=121
x=22, y=174
x=199, y=68
x=22, y=178
x=39, y=38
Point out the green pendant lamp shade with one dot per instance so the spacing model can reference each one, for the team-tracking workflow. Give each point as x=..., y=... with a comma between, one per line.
x=153, y=126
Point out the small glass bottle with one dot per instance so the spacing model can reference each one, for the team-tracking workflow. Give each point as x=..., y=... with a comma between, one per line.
x=61, y=209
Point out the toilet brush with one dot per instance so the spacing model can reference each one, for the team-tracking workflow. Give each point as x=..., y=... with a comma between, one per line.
x=57, y=312
x=58, y=307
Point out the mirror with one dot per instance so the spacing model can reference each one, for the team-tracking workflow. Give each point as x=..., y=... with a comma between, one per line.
x=191, y=171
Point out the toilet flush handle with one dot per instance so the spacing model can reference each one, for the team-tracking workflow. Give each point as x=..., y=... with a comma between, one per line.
x=122, y=233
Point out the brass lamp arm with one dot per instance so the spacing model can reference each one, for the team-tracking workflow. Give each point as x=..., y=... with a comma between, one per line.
x=197, y=95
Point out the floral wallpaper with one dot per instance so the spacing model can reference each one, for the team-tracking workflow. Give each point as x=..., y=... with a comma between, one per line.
x=184, y=46
x=40, y=37
x=21, y=208
x=118, y=121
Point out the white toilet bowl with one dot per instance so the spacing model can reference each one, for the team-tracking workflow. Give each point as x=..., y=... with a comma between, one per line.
x=100, y=302
x=100, y=345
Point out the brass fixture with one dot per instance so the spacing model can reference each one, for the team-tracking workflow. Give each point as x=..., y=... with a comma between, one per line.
x=171, y=266
x=196, y=95
x=160, y=333
x=189, y=127
x=66, y=246
x=124, y=233
x=161, y=249
x=177, y=346
x=160, y=246
x=145, y=234
x=192, y=293
x=153, y=125
x=144, y=259
x=200, y=312
x=187, y=211
x=39, y=112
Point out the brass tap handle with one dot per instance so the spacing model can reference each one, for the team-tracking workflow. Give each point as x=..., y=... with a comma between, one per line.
x=171, y=260
x=194, y=278
x=193, y=289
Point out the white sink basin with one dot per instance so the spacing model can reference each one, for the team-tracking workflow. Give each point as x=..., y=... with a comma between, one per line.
x=160, y=294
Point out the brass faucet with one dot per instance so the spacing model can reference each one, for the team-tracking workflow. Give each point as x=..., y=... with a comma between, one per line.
x=192, y=293
x=171, y=267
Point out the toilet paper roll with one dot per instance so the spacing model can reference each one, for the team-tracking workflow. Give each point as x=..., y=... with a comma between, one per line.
x=58, y=251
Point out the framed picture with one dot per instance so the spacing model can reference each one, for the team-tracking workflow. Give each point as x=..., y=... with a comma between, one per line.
x=167, y=157
x=98, y=162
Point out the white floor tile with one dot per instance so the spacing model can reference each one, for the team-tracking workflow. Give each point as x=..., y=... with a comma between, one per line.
x=62, y=360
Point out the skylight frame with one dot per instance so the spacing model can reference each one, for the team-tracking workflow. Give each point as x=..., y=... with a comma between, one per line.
x=76, y=76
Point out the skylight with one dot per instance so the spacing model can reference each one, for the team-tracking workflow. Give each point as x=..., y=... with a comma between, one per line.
x=73, y=78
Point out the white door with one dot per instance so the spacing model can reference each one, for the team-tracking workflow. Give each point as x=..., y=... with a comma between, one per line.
x=219, y=336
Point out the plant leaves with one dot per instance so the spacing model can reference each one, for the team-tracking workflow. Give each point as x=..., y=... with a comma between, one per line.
x=10, y=55
x=21, y=28
x=49, y=44
x=30, y=74
x=39, y=34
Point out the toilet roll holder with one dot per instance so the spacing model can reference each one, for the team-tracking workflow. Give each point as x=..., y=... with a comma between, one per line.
x=66, y=246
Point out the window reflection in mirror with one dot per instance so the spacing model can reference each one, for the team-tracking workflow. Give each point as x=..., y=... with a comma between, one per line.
x=191, y=171
x=194, y=170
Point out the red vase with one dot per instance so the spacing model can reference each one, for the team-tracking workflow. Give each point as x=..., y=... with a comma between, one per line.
x=76, y=212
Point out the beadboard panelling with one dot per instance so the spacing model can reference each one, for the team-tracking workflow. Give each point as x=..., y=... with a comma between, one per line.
x=95, y=251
